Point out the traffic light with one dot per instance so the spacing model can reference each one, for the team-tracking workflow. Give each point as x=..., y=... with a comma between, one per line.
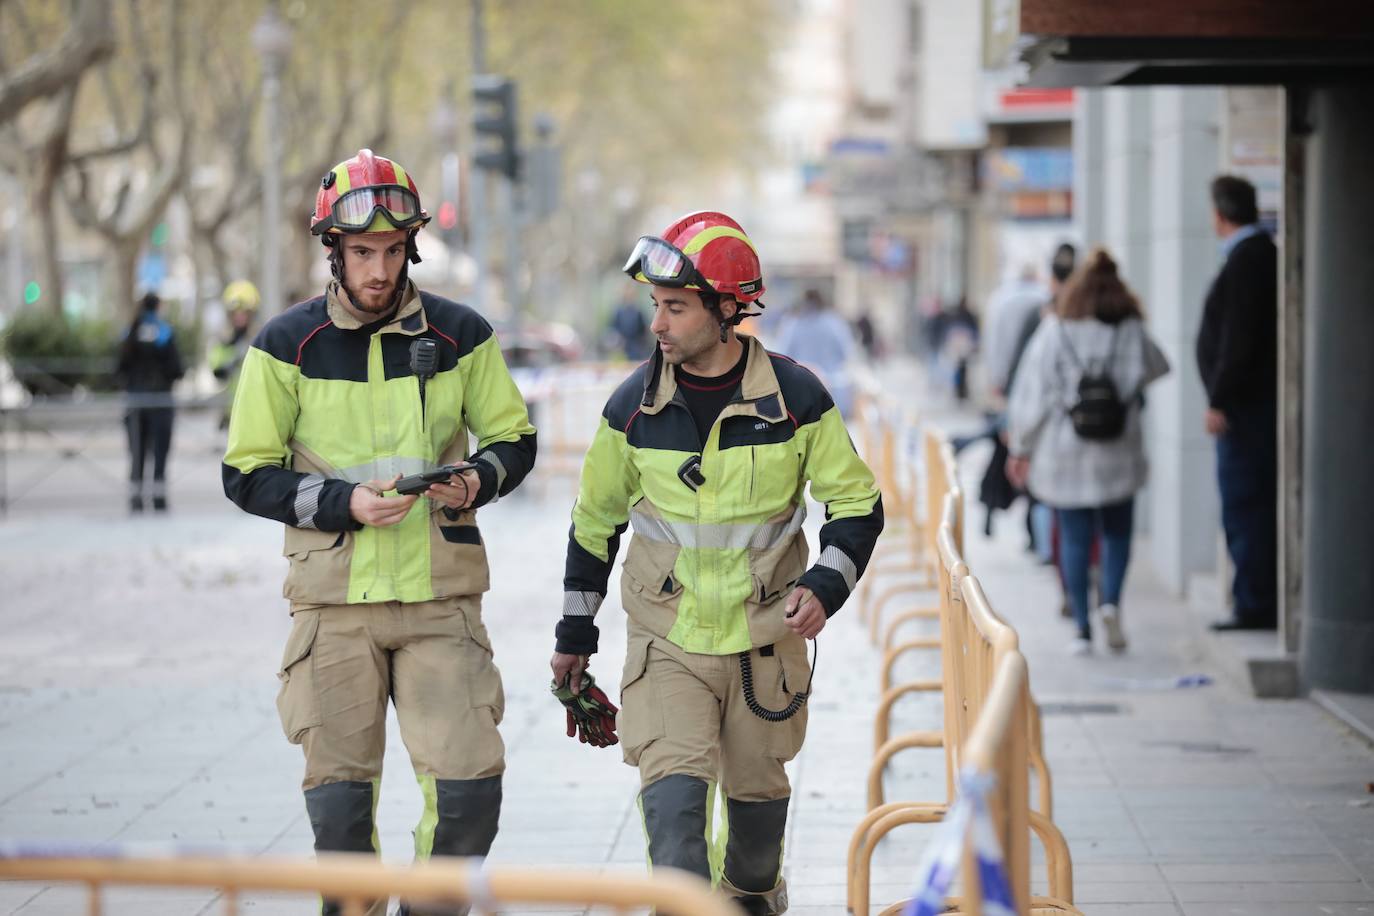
x=496, y=118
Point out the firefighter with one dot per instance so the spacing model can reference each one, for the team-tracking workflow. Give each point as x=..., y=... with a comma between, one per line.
x=241, y=303
x=339, y=397
x=706, y=450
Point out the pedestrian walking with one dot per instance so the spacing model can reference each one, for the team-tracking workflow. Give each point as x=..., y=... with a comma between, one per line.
x=959, y=344
x=630, y=329
x=149, y=363
x=867, y=333
x=241, y=301
x=1040, y=519
x=339, y=397
x=820, y=339
x=1075, y=433
x=1237, y=356
x=1010, y=307
x=706, y=450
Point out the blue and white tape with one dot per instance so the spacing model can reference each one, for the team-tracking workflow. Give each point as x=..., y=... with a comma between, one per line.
x=942, y=858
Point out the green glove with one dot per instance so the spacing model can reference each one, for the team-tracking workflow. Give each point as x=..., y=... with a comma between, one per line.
x=591, y=714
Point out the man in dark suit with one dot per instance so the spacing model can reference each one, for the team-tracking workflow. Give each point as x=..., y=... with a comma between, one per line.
x=1237, y=355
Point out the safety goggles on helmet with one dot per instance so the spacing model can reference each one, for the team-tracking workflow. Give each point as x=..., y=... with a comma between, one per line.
x=655, y=261
x=354, y=211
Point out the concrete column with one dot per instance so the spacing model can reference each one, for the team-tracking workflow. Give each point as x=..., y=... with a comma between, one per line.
x=1292, y=233
x=1089, y=199
x=1182, y=499
x=1126, y=174
x=1338, y=629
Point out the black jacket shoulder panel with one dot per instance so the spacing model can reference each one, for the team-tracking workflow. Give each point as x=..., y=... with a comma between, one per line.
x=459, y=323
x=283, y=335
x=624, y=403
x=804, y=393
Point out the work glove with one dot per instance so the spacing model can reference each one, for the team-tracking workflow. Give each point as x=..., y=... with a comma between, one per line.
x=591, y=714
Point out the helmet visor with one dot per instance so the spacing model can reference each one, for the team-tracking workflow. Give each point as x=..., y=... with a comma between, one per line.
x=655, y=261
x=354, y=211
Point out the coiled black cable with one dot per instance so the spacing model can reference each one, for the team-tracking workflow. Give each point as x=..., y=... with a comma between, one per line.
x=746, y=676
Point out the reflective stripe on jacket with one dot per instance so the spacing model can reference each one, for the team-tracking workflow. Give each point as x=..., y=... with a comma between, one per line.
x=324, y=403
x=708, y=569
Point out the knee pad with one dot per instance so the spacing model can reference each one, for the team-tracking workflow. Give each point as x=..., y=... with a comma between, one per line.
x=674, y=810
x=341, y=816
x=753, y=854
x=468, y=811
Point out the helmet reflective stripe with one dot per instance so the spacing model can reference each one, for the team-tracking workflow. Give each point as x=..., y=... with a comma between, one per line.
x=709, y=235
x=342, y=182
x=401, y=178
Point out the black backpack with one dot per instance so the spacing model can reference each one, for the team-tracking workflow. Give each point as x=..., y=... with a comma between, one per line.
x=1099, y=414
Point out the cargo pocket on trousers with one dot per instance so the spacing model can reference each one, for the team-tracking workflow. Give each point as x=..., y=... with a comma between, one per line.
x=484, y=680
x=640, y=720
x=787, y=673
x=298, y=701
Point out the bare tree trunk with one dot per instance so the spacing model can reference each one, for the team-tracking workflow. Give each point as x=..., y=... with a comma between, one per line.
x=46, y=253
x=123, y=268
x=216, y=259
x=46, y=164
x=210, y=260
x=302, y=256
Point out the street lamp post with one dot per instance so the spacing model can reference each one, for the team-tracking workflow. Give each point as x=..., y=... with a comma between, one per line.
x=272, y=40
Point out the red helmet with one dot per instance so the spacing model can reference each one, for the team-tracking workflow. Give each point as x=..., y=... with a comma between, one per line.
x=706, y=247
x=367, y=193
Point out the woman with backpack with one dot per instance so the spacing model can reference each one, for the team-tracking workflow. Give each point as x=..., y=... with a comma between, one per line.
x=1075, y=431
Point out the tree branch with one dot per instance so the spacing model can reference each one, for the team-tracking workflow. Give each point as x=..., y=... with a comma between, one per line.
x=87, y=41
x=141, y=133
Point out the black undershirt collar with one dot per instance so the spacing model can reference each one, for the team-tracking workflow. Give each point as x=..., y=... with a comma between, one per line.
x=707, y=396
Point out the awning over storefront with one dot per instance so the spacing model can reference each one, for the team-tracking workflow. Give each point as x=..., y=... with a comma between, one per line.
x=1184, y=42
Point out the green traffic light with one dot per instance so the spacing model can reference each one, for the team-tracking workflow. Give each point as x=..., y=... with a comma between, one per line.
x=31, y=292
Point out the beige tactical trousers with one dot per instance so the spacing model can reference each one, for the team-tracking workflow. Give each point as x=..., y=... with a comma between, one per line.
x=433, y=659
x=682, y=713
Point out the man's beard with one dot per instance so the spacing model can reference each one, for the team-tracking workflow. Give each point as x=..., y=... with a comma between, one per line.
x=377, y=302
x=686, y=350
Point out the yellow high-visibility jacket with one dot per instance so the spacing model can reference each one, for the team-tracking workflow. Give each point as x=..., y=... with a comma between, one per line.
x=325, y=403
x=708, y=569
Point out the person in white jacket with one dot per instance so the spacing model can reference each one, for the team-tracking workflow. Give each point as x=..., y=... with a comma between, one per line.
x=1089, y=474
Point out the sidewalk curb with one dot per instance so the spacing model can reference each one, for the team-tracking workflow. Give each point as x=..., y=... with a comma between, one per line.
x=1353, y=710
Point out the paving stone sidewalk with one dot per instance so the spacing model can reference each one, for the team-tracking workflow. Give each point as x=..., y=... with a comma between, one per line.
x=137, y=705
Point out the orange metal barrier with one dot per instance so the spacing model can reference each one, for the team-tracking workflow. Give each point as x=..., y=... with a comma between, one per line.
x=905, y=534
x=356, y=878
x=996, y=745
x=918, y=556
x=975, y=644
x=951, y=569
